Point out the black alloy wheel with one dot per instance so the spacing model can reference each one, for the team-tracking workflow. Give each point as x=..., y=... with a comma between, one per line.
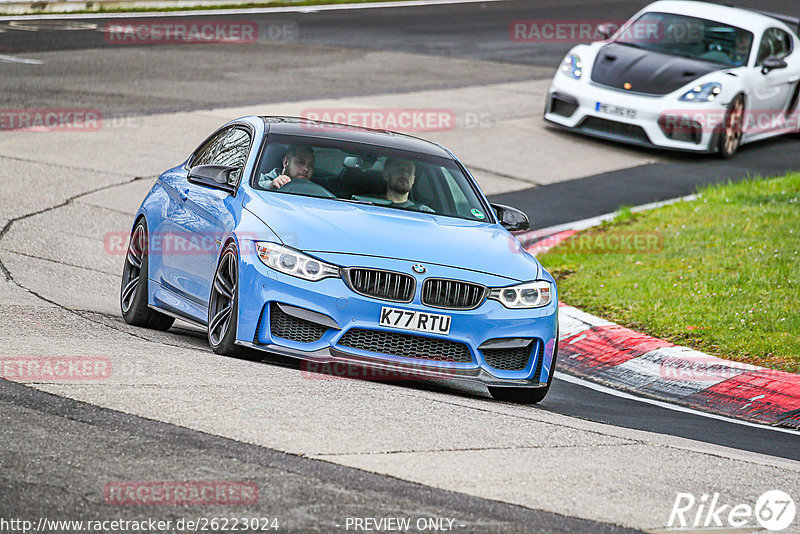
x=133, y=290
x=223, y=305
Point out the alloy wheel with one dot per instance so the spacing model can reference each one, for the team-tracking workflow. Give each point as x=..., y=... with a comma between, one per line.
x=223, y=296
x=132, y=272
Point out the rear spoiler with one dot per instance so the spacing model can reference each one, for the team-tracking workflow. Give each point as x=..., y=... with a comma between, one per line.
x=792, y=22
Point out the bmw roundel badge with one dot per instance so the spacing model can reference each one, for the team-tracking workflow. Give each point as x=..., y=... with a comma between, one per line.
x=419, y=269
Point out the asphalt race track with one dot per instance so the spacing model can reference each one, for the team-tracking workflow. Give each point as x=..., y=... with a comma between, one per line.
x=322, y=451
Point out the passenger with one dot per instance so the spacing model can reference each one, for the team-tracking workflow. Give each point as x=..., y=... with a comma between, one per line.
x=399, y=176
x=298, y=164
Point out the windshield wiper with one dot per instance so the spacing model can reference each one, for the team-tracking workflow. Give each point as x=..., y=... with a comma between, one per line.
x=366, y=202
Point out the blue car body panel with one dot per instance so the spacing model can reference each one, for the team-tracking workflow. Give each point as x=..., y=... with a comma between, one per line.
x=348, y=235
x=319, y=225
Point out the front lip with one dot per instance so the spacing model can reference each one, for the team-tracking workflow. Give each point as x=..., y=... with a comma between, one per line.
x=417, y=371
x=649, y=109
x=349, y=310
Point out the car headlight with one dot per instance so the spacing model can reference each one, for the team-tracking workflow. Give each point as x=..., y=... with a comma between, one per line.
x=708, y=92
x=572, y=66
x=292, y=262
x=527, y=295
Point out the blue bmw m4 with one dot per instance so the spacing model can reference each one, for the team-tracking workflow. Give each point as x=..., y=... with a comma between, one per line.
x=338, y=244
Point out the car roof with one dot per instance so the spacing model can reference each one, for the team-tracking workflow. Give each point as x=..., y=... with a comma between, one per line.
x=303, y=127
x=744, y=18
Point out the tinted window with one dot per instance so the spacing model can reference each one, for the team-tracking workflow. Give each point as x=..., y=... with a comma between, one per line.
x=691, y=37
x=345, y=171
x=229, y=147
x=775, y=43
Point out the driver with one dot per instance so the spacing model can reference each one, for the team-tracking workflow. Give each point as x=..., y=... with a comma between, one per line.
x=298, y=164
x=741, y=50
x=399, y=176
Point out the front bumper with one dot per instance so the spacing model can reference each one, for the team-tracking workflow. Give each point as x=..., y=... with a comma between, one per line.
x=660, y=121
x=326, y=316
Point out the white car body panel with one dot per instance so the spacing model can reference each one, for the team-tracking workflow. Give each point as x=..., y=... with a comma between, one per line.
x=772, y=91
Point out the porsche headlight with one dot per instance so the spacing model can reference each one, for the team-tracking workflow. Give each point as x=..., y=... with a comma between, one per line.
x=527, y=295
x=572, y=66
x=293, y=262
x=708, y=92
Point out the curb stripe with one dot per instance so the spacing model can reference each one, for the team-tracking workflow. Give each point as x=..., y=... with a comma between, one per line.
x=600, y=348
x=595, y=386
x=610, y=354
x=601, y=351
x=540, y=245
x=754, y=396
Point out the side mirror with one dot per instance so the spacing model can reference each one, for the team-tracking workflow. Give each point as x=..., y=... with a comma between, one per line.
x=772, y=63
x=214, y=176
x=606, y=30
x=511, y=219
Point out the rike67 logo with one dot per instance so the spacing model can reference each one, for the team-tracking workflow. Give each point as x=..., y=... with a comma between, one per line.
x=774, y=510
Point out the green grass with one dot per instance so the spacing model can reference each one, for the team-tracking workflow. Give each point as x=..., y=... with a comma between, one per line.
x=243, y=5
x=724, y=278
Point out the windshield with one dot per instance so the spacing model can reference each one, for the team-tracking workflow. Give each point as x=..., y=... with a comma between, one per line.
x=352, y=172
x=679, y=35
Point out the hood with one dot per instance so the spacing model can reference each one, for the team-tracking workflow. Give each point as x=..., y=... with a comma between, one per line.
x=648, y=72
x=321, y=225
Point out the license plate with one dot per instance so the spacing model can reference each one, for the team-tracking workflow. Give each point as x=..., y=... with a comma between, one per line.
x=615, y=110
x=415, y=320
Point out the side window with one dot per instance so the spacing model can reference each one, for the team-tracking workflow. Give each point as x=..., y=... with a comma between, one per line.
x=229, y=147
x=423, y=191
x=775, y=43
x=461, y=202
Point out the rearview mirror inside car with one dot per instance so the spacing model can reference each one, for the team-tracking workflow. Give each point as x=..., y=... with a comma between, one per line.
x=359, y=162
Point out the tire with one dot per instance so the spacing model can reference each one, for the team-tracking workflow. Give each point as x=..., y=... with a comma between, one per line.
x=223, y=304
x=730, y=136
x=133, y=291
x=526, y=395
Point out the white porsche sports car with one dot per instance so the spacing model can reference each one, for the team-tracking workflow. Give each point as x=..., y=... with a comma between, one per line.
x=683, y=75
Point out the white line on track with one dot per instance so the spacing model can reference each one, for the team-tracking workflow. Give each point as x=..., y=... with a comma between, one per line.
x=240, y=11
x=662, y=404
x=595, y=221
x=12, y=59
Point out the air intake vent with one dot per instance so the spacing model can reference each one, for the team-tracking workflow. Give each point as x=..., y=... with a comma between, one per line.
x=285, y=326
x=563, y=105
x=406, y=345
x=384, y=285
x=515, y=359
x=452, y=294
x=620, y=129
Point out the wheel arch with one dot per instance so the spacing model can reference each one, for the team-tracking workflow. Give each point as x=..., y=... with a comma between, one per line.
x=714, y=145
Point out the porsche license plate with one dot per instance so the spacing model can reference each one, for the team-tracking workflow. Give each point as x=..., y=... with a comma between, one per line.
x=415, y=320
x=618, y=111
